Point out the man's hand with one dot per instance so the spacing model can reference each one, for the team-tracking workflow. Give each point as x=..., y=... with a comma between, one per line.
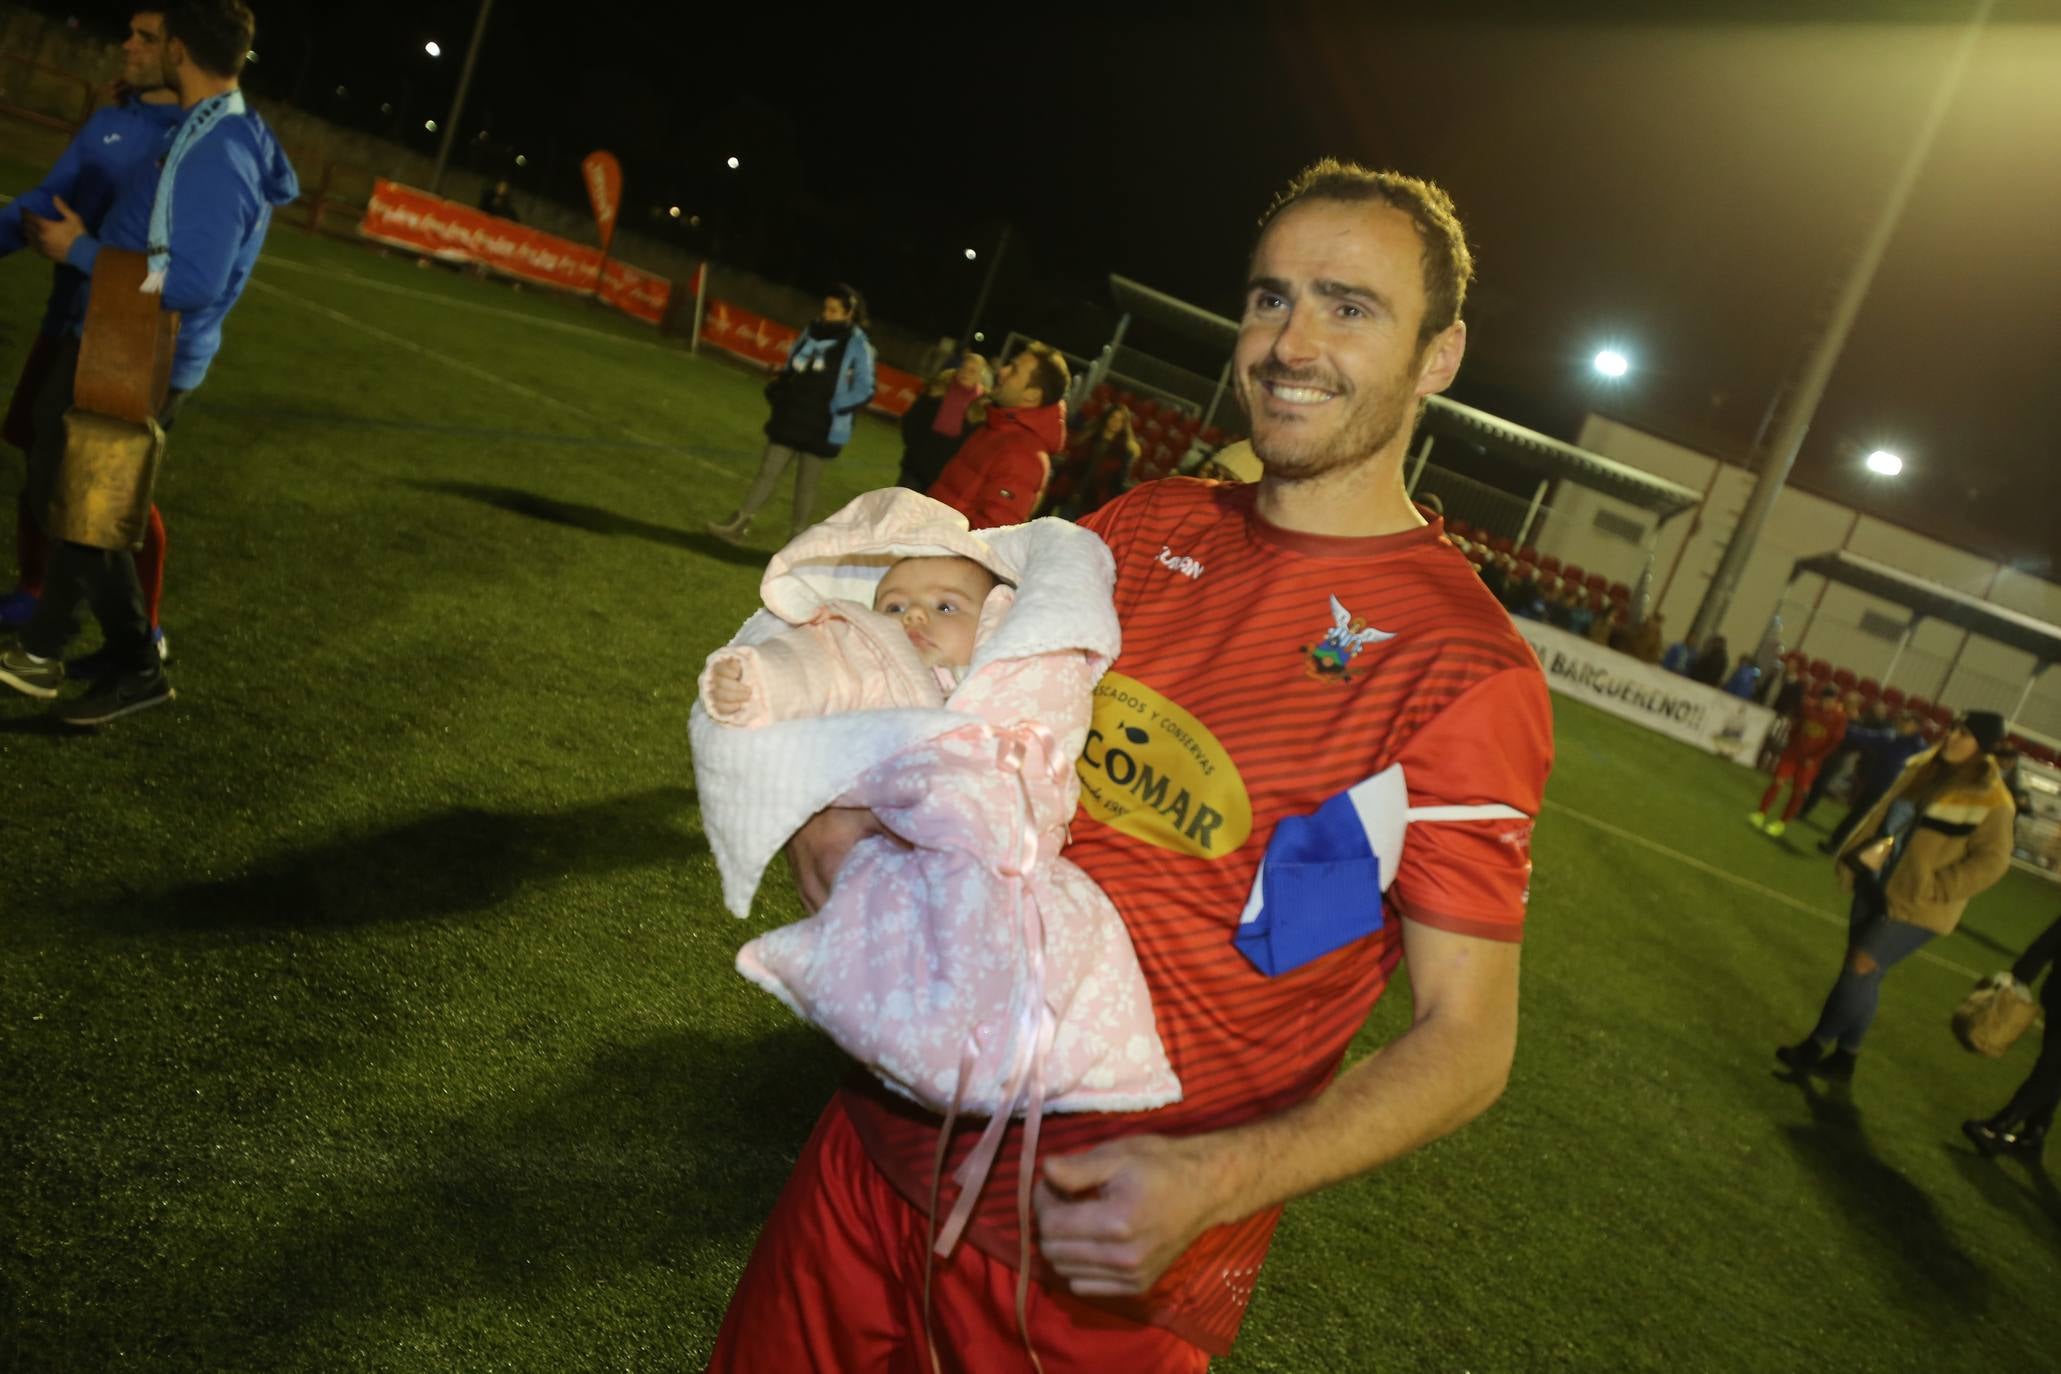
x=819, y=848
x=54, y=237
x=1112, y=1219
x=727, y=690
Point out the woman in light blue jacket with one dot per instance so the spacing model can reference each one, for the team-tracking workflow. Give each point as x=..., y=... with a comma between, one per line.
x=827, y=379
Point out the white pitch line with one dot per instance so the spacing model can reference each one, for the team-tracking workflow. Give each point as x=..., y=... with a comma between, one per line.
x=416, y=293
x=1714, y=871
x=479, y=373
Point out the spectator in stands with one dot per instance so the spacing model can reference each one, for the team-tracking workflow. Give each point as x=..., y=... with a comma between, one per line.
x=497, y=200
x=1941, y=836
x=1527, y=594
x=1496, y=576
x=224, y=171
x=1097, y=461
x=2021, y=1127
x=1708, y=667
x=1882, y=752
x=1601, y=621
x=949, y=409
x=1575, y=615
x=1745, y=678
x=1000, y=471
x=1676, y=659
x=1816, y=734
x=92, y=168
x=826, y=380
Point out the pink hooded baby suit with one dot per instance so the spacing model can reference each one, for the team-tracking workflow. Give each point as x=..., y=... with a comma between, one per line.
x=971, y=967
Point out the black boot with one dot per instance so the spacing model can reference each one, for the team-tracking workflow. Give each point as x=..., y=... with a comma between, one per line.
x=1803, y=1056
x=1986, y=1136
x=2025, y=1142
x=1837, y=1066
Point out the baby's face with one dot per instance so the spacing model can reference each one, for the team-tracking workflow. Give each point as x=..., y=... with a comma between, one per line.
x=938, y=601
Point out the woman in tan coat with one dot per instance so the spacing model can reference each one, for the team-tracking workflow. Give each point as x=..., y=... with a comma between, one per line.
x=1939, y=836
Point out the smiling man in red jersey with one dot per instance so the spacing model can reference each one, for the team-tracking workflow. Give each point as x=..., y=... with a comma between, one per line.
x=1317, y=758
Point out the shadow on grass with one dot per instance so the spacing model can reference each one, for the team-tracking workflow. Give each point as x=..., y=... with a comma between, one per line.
x=2035, y=1201
x=449, y=864
x=1898, y=1219
x=661, y=1161
x=1993, y=945
x=594, y=519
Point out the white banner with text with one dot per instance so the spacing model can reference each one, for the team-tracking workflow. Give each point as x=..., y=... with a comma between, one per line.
x=1647, y=694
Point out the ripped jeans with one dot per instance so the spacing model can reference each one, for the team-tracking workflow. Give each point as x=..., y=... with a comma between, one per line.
x=1850, y=1006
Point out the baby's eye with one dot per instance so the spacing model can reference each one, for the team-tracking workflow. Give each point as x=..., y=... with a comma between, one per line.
x=947, y=607
x=890, y=607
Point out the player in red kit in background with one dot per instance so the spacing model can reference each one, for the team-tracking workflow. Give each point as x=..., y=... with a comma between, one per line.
x=1820, y=725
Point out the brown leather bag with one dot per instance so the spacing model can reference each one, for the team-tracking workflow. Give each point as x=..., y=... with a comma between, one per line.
x=113, y=444
x=1992, y=1017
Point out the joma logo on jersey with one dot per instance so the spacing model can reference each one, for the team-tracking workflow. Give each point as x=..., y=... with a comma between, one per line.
x=1188, y=567
x=1152, y=770
x=1330, y=658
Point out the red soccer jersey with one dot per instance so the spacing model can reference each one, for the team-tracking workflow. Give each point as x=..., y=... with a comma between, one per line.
x=1264, y=672
x=1820, y=725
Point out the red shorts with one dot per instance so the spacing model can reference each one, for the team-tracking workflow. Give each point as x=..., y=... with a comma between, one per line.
x=835, y=1286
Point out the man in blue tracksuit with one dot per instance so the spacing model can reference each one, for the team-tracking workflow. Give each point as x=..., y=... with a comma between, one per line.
x=107, y=148
x=1884, y=752
x=201, y=218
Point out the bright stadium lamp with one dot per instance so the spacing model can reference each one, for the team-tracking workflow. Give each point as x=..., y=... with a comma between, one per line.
x=1885, y=463
x=1612, y=363
x=432, y=49
x=521, y=161
x=731, y=163
x=674, y=212
x=971, y=255
x=430, y=124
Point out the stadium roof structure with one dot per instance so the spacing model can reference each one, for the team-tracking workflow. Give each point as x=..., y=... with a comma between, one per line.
x=1544, y=455
x=1932, y=601
x=1550, y=457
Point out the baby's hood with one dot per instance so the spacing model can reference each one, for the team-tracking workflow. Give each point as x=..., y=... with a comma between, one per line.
x=844, y=558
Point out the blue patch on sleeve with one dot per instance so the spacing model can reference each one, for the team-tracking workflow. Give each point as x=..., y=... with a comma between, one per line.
x=1320, y=890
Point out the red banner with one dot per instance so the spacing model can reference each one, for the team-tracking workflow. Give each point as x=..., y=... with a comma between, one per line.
x=604, y=177
x=765, y=342
x=444, y=229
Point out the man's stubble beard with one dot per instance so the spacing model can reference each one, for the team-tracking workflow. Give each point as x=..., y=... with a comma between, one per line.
x=1370, y=427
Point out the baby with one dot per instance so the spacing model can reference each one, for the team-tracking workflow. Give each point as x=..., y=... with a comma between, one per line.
x=953, y=708
x=936, y=600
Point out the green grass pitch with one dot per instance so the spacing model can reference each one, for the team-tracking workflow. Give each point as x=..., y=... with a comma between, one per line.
x=371, y=1008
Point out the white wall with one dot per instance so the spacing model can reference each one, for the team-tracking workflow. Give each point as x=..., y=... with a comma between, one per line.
x=1823, y=621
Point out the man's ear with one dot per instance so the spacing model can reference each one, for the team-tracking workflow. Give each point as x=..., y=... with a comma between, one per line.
x=1442, y=359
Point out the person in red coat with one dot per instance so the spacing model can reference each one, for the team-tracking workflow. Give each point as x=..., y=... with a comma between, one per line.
x=999, y=471
x=1820, y=726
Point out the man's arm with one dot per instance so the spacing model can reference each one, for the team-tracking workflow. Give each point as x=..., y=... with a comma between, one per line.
x=1112, y=1219
x=41, y=200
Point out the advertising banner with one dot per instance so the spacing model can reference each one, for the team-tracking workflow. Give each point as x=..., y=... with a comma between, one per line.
x=444, y=229
x=604, y=178
x=765, y=342
x=1647, y=694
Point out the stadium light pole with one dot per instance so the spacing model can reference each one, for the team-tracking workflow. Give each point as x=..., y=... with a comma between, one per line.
x=987, y=283
x=479, y=32
x=1802, y=403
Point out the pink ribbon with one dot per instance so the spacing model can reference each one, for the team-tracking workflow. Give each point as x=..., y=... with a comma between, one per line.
x=1032, y=1044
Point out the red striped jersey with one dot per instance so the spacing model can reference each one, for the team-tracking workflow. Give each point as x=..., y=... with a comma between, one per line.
x=1263, y=672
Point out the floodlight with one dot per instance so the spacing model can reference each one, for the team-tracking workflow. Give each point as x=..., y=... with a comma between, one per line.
x=432, y=49
x=1612, y=363
x=1884, y=462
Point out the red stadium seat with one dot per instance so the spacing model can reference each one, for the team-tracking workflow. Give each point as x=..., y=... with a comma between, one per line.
x=1919, y=706
x=1620, y=593
x=1596, y=582
x=1820, y=670
x=1528, y=554
x=1456, y=526
x=1573, y=572
x=1868, y=687
x=1550, y=563
x=1843, y=679
x=1501, y=543
x=1893, y=697
x=1944, y=715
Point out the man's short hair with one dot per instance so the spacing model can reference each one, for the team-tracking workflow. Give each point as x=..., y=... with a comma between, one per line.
x=1448, y=264
x=1051, y=375
x=217, y=33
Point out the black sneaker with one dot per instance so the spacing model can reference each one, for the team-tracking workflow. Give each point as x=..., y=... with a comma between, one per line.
x=29, y=675
x=116, y=696
x=2026, y=1142
x=1803, y=1056
x=1986, y=1138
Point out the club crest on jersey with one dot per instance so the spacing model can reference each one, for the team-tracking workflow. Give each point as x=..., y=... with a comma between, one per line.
x=1330, y=658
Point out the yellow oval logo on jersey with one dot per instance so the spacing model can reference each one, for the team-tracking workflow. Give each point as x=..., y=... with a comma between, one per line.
x=1152, y=770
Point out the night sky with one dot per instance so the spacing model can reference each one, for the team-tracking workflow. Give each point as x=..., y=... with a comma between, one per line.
x=1683, y=179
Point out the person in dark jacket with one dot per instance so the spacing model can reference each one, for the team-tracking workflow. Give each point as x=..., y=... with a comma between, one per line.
x=826, y=380
x=497, y=201
x=1098, y=461
x=1708, y=667
x=2021, y=1127
x=949, y=409
x=1883, y=750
